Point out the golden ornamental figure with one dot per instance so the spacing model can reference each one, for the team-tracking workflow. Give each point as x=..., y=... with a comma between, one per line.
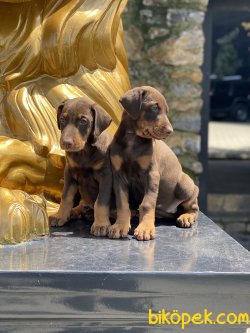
x=50, y=51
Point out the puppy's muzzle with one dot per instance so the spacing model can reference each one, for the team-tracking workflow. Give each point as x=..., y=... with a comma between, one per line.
x=71, y=140
x=161, y=132
x=70, y=146
x=67, y=144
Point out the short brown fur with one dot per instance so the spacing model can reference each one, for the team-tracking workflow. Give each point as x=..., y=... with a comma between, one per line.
x=83, y=125
x=149, y=176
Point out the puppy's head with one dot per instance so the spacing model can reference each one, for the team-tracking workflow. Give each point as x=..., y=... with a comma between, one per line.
x=80, y=120
x=149, y=109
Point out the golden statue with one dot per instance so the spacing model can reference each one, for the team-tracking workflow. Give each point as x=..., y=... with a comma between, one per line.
x=50, y=51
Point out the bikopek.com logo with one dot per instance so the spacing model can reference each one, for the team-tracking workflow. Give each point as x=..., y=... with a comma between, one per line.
x=174, y=317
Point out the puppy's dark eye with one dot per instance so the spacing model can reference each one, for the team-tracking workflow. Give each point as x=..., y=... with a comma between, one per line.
x=83, y=121
x=154, y=108
x=62, y=121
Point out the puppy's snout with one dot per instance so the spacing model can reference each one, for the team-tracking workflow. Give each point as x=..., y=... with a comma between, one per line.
x=168, y=130
x=68, y=143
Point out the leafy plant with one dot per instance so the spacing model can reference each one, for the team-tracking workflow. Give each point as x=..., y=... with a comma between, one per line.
x=227, y=61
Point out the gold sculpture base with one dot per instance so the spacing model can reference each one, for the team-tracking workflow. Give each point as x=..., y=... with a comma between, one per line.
x=26, y=216
x=50, y=51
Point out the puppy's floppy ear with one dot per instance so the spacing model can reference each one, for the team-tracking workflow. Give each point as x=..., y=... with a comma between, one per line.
x=102, y=119
x=132, y=100
x=59, y=112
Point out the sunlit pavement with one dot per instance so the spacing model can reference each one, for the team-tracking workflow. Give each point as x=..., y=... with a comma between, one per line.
x=229, y=140
x=229, y=173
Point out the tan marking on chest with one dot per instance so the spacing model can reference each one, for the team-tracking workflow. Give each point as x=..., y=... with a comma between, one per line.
x=144, y=161
x=72, y=163
x=116, y=162
x=97, y=165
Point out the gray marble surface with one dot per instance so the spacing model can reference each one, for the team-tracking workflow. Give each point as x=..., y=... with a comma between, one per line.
x=203, y=248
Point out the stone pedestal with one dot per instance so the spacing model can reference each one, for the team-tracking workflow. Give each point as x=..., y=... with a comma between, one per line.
x=71, y=282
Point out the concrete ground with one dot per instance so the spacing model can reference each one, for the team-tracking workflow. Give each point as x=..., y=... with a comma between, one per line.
x=229, y=140
x=229, y=178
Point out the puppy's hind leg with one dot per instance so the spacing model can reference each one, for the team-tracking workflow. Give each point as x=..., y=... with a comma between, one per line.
x=188, y=190
x=69, y=192
x=77, y=212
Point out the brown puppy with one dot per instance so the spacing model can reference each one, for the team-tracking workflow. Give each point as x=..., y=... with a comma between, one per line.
x=83, y=137
x=146, y=173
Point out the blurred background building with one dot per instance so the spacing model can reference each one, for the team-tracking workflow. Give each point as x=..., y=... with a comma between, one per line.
x=197, y=53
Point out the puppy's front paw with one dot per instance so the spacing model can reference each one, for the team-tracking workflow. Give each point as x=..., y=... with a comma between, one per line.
x=100, y=229
x=118, y=230
x=144, y=232
x=57, y=220
x=186, y=220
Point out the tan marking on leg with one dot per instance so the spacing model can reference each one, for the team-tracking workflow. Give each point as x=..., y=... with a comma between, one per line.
x=148, y=217
x=63, y=214
x=124, y=213
x=146, y=227
x=101, y=222
x=116, y=162
x=144, y=161
x=123, y=216
x=122, y=224
x=101, y=212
